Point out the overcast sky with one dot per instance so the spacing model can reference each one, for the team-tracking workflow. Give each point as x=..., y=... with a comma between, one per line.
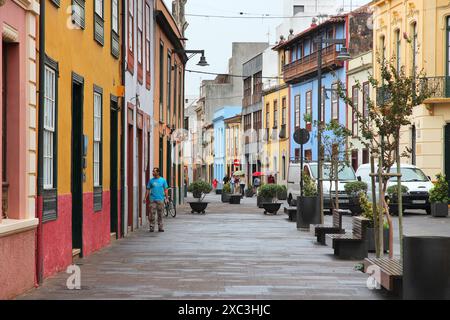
x=215, y=36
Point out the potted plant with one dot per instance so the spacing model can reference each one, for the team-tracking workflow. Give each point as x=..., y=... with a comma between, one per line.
x=391, y=195
x=268, y=192
x=367, y=212
x=199, y=189
x=308, y=211
x=226, y=193
x=260, y=198
x=439, y=197
x=282, y=192
x=353, y=190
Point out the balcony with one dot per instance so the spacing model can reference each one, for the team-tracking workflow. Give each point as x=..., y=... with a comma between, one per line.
x=440, y=88
x=283, y=132
x=274, y=135
x=306, y=66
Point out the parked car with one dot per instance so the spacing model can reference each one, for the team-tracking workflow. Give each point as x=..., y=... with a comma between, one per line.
x=346, y=174
x=418, y=184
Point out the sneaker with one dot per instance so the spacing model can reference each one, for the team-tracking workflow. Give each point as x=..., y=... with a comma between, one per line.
x=151, y=229
x=161, y=230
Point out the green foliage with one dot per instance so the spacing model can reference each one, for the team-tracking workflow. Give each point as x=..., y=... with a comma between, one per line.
x=392, y=190
x=227, y=188
x=200, y=187
x=367, y=210
x=439, y=193
x=355, y=188
x=268, y=191
x=282, y=191
x=309, y=187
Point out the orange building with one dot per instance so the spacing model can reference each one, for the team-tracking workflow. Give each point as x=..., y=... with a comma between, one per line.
x=168, y=112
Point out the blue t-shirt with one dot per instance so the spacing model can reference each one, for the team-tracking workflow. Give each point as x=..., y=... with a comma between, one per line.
x=157, y=187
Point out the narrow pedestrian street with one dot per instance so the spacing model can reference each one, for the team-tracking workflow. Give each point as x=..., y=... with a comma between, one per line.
x=232, y=252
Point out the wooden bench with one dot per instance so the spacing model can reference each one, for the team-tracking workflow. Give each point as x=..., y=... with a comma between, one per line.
x=391, y=272
x=351, y=245
x=291, y=212
x=321, y=230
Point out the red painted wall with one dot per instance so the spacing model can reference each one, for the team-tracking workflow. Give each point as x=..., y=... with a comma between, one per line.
x=57, y=238
x=96, y=225
x=17, y=264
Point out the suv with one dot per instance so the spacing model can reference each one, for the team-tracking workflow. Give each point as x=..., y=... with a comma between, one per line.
x=346, y=174
x=413, y=178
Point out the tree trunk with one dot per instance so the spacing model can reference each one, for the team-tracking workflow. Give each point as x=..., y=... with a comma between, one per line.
x=400, y=198
x=378, y=249
x=381, y=204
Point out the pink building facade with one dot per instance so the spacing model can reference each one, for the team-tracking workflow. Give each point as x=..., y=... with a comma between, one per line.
x=18, y=149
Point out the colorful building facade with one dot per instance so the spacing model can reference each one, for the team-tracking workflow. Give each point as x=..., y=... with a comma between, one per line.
x=170, y=59
x=138, y=120
x=18, y=148
x=78, y=164
x=426, y=26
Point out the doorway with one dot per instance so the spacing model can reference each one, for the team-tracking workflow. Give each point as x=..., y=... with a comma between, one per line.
x=78, y=159
x=447, y=154
x=140, y=172
x=4, y=131
x=113, y=168
x=130, y=176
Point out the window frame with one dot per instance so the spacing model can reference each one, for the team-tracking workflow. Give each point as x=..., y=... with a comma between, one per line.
x=130, y=37
x=169, y=86
x=147, y=45
x=115, y=39
x=297, y=121
x=275, y=114
x=355, y=101
x=161, y=81
x=140, y=40
x=334, y=102
x=82, y=18
x=308, y=107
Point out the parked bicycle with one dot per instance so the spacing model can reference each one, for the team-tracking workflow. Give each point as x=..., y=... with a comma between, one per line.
x=170, y=207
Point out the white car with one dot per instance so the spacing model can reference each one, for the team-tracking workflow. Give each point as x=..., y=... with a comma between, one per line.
x=346, y=174
x=413, y=178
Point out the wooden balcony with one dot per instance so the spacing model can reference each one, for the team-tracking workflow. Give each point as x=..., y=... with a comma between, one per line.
x=307, y=66
x=247, y=101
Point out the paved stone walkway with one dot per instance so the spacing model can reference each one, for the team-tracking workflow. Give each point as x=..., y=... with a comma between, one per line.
x=237, y=253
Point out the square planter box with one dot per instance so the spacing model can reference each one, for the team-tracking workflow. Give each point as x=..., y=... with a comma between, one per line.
x=371, y=239
x=225, y=197
x=439, y=210
x=235, y=199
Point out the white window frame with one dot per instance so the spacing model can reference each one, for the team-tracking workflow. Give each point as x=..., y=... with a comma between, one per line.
x=147, y=37
x=140, y=23
x=115, y=16
x=97, y=137
x=49, y=128
x=98, y=8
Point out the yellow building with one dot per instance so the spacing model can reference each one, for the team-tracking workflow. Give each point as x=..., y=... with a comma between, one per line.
x=78, y=130
x=426, y=23
x=276, y=126
x=233, y=144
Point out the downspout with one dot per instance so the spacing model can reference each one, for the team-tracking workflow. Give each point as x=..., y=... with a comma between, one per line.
x=39, y=240
x=122, y=133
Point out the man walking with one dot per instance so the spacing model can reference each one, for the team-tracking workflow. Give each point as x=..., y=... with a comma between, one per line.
x=158, y=189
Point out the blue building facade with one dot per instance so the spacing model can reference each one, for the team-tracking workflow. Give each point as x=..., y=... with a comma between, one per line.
x=219, y=139
x=300, y=72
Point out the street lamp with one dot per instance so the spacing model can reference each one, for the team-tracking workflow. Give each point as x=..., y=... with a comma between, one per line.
x=202, y=62
x=343, y=56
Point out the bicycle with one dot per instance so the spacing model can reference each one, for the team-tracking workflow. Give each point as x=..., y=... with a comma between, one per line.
x=170, y=207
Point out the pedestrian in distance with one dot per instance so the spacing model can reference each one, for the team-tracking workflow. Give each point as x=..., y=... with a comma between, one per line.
x=215, y=182
x=256, y=183
x=242, y=184
x=156, y=196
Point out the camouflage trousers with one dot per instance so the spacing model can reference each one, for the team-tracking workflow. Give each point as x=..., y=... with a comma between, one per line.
x=156, y=207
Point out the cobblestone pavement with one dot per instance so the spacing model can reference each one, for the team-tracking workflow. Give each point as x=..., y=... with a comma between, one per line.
x=232, y=252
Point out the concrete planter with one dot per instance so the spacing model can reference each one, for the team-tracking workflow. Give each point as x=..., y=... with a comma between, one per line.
x=371, y=239
x=439, y=210
x=235, y=199
x=271, y=207
x=426, y=268
x=225, y=197
x=198, y=207
x=260, y=200
x=307, y=212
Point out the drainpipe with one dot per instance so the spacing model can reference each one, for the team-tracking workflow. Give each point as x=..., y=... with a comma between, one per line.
x=122, y=129
x=39, y=237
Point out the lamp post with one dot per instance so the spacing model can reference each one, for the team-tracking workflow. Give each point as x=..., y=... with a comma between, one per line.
x=202, y=62
x=343, y=56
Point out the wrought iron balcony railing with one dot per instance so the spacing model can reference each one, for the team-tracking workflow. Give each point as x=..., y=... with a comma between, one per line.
x=439, y=86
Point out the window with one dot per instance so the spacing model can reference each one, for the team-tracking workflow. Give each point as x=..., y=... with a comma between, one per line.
x=131, y=36
x=365, y=156
x=247, y=127
x=257, y=87
x=78, y=13
x=299, y=9
x=366, y=97
x=382, y=50
x=147, y=46
x=169, y=86
x=297, y=111
x=49, y=154
x=177, y=114
x=398, y=50
x=247, y=92
x=308, y=155
x=355, y=100
x=267, y=115
x=161, y=81
x=275, y=114
x=98, y=22
x=140, y=25
x=309, y=107
x=115, y=44
x=97, y=138
x=283, y=167
x=448, y=46
x=414, y=48
x=334, y=102
x=355, y=159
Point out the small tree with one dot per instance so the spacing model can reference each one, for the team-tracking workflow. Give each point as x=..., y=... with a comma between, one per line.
x=397, y=94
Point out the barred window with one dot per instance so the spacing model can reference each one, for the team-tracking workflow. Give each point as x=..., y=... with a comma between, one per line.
x=97, y=138
x=49, y=127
